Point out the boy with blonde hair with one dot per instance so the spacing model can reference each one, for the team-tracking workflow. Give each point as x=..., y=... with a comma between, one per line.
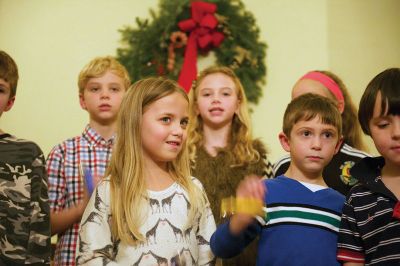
x=102, y=84
x=24, y=206
x=302, y=214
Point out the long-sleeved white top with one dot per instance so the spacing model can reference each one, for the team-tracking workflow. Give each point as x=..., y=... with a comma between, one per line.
x=168, y=238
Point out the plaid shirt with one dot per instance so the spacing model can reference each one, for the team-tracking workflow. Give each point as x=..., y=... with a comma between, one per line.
x=65, y=184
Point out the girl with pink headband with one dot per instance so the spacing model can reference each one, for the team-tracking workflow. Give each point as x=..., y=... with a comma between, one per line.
x=327, y=84
x=330, y=84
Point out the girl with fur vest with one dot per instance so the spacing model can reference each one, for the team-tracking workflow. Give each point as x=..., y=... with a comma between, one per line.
x=221, y=147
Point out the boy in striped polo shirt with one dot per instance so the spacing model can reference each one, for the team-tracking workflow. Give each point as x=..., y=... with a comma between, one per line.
x=370, y=228
x=302, y=214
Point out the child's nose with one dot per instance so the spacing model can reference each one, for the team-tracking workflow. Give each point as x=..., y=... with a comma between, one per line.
x=104, y=94
x=396, y=127
x=177, y=130
x=316, y=143
x=215, y=98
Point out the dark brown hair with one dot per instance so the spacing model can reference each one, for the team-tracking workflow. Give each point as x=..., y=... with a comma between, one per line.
x=388, y=84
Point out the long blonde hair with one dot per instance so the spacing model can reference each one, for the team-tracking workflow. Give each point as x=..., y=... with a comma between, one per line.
x=241, y=136
x=126, y=169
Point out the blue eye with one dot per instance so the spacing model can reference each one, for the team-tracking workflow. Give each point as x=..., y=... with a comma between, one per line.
x=166, y=119
x=184, y=123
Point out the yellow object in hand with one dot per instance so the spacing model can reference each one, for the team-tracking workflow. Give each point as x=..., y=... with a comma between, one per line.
x=250, y=206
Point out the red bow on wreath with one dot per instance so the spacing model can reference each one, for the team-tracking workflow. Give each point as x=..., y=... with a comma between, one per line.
x=202, y=28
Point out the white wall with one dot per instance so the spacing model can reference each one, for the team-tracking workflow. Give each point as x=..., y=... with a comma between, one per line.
x=296, y=35
x=52, y=40
x=363, y=40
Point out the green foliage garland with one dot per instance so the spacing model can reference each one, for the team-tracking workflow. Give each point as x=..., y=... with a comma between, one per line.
x=145, y=48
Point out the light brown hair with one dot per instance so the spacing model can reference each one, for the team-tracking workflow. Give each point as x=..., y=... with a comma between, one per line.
x=307, y=107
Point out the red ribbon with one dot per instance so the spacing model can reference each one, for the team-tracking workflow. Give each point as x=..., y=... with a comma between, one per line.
x=203, y=34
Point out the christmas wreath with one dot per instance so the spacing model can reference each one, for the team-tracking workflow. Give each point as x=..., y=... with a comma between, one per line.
x=169, y=42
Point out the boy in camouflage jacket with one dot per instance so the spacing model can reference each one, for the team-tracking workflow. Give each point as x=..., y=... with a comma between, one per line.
x=24, y=207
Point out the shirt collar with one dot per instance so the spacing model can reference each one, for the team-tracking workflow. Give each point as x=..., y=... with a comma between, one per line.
x=95, y=139
x=368, y=172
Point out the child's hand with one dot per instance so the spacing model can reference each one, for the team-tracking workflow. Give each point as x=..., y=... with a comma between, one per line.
x=251, y=188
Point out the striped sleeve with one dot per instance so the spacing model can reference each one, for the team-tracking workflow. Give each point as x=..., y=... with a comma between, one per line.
x=280, y=167
x=350, y=248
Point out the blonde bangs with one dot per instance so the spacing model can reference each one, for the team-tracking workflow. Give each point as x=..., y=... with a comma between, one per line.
x=98, y=67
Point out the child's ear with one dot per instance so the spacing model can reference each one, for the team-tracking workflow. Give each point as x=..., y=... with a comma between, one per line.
x=82, y=101
x=10, y=104
x=285, y=142
x=339, y=144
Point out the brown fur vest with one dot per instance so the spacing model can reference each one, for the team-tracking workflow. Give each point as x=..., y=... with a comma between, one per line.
x=220, y=180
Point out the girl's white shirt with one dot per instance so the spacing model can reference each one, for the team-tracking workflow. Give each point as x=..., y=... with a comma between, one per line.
x=168, y=238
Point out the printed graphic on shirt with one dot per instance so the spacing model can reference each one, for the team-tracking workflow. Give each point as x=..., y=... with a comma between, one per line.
x=345, y=175
x=168, y=239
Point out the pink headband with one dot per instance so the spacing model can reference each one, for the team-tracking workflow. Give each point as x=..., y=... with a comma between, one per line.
x=328, y=82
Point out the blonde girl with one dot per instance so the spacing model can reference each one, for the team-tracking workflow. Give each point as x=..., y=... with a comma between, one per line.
x=148, y=211
x=222, y=150
x=337, y=172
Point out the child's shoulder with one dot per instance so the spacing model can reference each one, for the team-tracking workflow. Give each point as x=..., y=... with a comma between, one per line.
x=103, y=189
x=75, y=142
x=102, y=192
x=335, y=196
x=279, y=181
x=69, y=145
x=280, y=185
x=290, y=190
x=353, y=152
x=366, y=170
x=362, y=194
x=197, y=182
x=13, y=146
